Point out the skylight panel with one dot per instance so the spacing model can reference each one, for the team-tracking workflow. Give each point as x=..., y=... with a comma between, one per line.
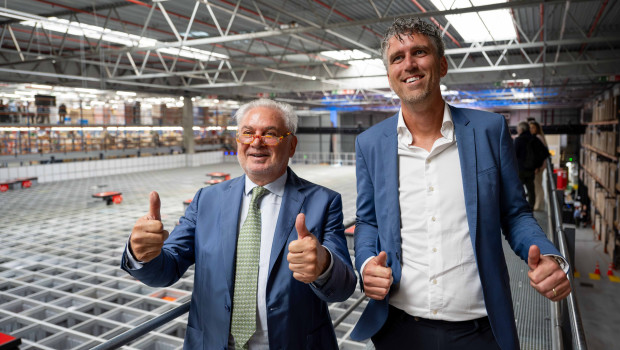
x=495, y=25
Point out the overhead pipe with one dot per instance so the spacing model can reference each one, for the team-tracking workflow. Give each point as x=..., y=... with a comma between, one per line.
x=594, y=24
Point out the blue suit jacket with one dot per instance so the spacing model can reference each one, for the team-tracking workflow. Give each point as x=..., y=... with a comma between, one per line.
x=494, y=201
x=297, y=314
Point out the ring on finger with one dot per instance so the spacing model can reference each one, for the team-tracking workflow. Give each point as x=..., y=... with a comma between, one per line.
x=554, y=292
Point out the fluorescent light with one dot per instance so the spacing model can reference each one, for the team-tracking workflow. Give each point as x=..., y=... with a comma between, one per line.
x=468, y=100
x=27, y=93
x=89, y=91
x=126, y=93
x=496, y=25
x=18, y=129
x=522, y=95
x=449, y=93
x=39, y=86
x=344, y=55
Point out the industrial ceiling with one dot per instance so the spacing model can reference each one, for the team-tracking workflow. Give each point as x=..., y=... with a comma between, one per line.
x=564, y=52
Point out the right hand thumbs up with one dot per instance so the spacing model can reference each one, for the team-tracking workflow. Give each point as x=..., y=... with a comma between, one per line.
x=154, y=206
x=148, y=234
x=381, y=259
x=377, y=277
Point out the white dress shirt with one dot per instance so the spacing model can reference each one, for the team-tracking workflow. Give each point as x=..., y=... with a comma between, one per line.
x=439, y=274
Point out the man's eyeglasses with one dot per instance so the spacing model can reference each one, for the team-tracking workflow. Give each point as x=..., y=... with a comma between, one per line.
x=268, y=140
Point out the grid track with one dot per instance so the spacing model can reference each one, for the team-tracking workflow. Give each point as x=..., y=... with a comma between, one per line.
x=60, y=282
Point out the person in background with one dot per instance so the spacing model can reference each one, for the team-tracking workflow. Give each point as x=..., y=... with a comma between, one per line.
x=437, y=186
x=526, y=174
x=539, y=203
x=269, y=247
x=62, y=113
x=577, y=215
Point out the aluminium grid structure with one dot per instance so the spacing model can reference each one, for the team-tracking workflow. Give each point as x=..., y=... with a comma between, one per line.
x=60, y=282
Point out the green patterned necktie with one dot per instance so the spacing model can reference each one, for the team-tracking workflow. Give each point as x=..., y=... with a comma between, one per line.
x=246, y=276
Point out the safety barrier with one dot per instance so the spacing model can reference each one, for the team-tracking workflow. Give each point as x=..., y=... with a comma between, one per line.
x=568, y=305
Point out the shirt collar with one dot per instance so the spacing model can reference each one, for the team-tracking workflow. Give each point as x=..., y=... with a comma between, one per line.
x=276, y=187
x=447, y=125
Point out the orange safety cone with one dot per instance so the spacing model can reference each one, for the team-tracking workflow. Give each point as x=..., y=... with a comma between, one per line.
x=597, y=271
x=610, y=271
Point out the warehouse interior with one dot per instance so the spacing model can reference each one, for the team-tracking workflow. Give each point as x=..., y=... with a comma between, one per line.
x=131, y=96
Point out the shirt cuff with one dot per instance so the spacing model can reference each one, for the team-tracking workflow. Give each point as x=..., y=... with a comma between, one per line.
x=561, y=261
x=131, y=262
x=363, y=266
x=324, y=277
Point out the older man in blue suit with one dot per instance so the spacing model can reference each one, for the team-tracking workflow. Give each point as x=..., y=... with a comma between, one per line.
x=437, y=185
x=269, y=247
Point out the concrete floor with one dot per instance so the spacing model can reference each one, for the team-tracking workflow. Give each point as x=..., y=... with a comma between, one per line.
x=598, y=300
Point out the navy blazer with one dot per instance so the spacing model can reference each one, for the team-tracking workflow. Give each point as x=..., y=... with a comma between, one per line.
x=494, y=200
x=297, y=314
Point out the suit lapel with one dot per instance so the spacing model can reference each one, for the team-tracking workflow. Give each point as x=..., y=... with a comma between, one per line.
x=466, y=144
x=389, y=182
x=292, y=201
x=229, y=218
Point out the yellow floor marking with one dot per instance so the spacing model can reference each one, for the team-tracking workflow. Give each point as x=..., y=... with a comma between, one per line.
x=576, y=274
x=594, y=276
x=614, y=279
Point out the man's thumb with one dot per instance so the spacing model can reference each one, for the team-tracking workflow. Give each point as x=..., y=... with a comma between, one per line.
x=533, y=257
x=381, y=259
x=154, y=206
x=300, y=225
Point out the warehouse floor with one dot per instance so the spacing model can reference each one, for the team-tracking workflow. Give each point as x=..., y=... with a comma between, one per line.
x=61, y=286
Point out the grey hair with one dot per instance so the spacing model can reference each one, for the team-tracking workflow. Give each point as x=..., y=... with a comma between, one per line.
x=285, y=109
x=408, y=26
x=523, y=126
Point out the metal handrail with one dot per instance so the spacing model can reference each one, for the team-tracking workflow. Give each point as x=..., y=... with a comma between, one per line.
x=578, y=335
x=146, y=327
x=135, y=333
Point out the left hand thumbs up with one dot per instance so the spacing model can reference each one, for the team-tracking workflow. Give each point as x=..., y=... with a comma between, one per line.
x=307, y=258
x=300, y=226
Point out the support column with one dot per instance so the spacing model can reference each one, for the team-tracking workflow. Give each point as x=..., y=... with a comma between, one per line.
x=188, y=123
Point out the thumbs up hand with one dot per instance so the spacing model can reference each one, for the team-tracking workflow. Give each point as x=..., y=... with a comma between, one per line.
x=377, y=277
x=307, y=258
x=148, y=234
x=546, y=276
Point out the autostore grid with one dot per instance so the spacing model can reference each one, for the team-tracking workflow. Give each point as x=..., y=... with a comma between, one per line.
x=61, y=286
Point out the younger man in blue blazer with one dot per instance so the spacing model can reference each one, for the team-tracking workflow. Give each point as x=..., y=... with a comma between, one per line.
x=266, y=267
x=437, y=186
